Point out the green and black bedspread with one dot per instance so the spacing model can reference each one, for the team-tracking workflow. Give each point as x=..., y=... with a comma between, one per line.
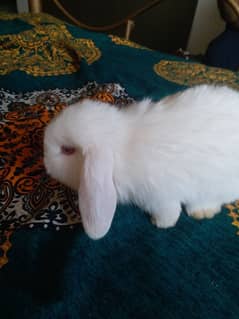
x=49, y=267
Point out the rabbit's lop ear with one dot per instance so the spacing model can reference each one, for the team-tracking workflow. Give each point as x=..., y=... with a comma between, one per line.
x=97, y=194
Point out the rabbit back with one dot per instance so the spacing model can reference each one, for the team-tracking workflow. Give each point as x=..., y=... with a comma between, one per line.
x=184, y=148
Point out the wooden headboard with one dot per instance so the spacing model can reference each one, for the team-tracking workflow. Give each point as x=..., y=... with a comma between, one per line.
x=35, y=6
x=156, y=24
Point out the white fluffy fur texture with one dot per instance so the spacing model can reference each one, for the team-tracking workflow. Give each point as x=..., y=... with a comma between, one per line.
x=183, y=149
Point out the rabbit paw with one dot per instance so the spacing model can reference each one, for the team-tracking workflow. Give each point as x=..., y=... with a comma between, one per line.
x=167, y=217
x=204, y=213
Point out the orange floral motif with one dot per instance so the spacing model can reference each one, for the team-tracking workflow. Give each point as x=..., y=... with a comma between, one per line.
x=104, y=97
x=234, y=214
x=21, y=136
x=5, y=245
x=28, y=196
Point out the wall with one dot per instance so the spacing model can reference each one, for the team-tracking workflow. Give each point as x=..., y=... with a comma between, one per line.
x=22, y=6
x=165, y=27
x=8, y=5
x=206, y=26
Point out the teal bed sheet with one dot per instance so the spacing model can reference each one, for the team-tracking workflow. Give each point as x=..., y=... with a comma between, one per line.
x=49, y=268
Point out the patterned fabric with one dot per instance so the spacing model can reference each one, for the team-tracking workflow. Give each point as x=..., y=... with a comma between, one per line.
x=136, y=271
x=45, y=50
x=234, y=214
x=194, y=73
x=121, y=41
x=28, y=195
x=5, y=245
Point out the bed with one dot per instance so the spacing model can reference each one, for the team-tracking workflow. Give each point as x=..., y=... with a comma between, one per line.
x=49, y=268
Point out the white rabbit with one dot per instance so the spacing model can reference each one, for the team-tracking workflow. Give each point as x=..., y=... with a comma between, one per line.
x=183, y=149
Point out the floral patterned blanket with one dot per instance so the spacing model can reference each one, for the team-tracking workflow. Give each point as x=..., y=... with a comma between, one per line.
x=29, y=197
x=48, y=267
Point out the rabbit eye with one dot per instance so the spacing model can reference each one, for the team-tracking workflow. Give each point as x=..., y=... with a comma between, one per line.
x=67, y=150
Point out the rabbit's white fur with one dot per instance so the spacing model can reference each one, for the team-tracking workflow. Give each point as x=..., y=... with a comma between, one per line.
x=183, y=149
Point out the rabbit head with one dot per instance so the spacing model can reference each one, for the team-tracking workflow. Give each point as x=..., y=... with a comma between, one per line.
x=78, y=152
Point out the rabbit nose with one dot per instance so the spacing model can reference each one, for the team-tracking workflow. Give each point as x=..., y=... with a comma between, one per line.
x=67, y=150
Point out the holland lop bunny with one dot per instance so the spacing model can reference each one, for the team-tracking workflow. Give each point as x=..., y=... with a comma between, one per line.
x=183, y=149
